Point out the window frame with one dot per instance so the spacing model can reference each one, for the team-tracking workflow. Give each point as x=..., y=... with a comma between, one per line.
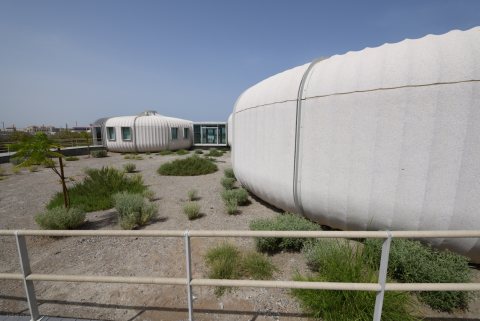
x=114, y=132
x=186, y=133
x=174, y=130
x=122, y=133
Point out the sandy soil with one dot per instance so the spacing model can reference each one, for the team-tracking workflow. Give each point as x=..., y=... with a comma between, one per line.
x=24, y=195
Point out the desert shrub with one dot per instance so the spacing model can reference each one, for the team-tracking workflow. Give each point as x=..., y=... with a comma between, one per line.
x=16, y=170
x=231, y=205
x=96, y=190
x=192, y=194
x=129, y=167
x=227, y=183
x=198, y=151
x=192, y=210
x=225, y=261
x=165, y=152
x=72, y=158
x=182, y=152
x=190, y=166
x=213, y=152
x=413, y=262
x=228, y=172
x=342, y=262
x=133, y=210
x=98, y=153
x=61, y=218
x=128, y=156
x=137, y=157
x=149, y=194
x=284, y=222
x=240, y=194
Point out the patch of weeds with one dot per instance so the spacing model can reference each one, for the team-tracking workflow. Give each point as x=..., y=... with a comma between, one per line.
x=133, y=210
x=61, y=218
x=96, y=190
x=413, y=262
x=149, y=194
x=228, y=183
x=284, y=222
x=3, y=172
x=138, y=157
x=198, y=151
x=240, y=194
x=213, y=152
x=190, y=166
x=72, y=158
x=165, y=152
x=225, y=261
x=192, y=195
x=129, y=167
x=128, y=156
x=99, y=153
x=182, y=152
x=339, y=261
x=231, y=205
x=228, y=172
x=192, y=210
x=16, y=170
x=33, y=168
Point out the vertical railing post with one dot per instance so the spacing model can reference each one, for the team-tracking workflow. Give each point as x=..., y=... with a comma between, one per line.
x=382, y=277
x=25, y=267
x=188, y=261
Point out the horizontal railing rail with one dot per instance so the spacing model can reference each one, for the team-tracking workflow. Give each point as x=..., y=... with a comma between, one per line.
x=380, y=287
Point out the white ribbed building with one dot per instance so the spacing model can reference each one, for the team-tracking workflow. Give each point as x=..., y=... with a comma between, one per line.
x=383, y=138
x=147, y=132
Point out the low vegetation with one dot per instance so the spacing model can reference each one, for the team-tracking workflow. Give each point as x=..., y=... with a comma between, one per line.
x=240, y=194
x=226, y=261
x=129, y=167
x=284, y=222
x=198, y=151
x=192, y=195
x=228, y=182
x=190, y=166
x=33, y=168
x=71, y=158
x=165, y=152
x=182, y=152
x=231, y=205
x=99, y=153
x=192, y=210
x=133, y=210
x=228, y=172
x=61, y=218
x=213, y=152
x=339, y=261
x=96, y=190
x=413, y=262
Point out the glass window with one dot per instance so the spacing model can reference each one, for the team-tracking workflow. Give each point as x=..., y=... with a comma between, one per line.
x=197, y=137
x=185, y=133
x=111, y=133
x=126, y=133
x=174, y=132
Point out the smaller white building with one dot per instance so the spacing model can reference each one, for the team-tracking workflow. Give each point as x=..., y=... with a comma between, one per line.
x=147, y=132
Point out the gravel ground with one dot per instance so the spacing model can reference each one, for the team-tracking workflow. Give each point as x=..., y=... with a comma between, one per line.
x=24, y=195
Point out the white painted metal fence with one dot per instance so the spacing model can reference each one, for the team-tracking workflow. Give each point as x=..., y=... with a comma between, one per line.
x=28, y=277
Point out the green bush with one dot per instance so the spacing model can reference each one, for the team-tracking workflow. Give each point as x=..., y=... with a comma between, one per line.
x=198, y=151
x=228, y=172
x=182, y=152
x=98, y=153
x=192, y=210
x=228, y=183
x=413, y=262
x=137, y=157
x=133, y=210
x=284, y=222
x=225, y=261
x=61, y=218
x=240, y=194
x=342, y=262
x=96, y=190
x=213, y=152
x=192, y=194
x=149, y=194
x=72, y=158
x=128, y=156
x=129, y=167
x=231, y=205
x=190, y=166
x=165, y=152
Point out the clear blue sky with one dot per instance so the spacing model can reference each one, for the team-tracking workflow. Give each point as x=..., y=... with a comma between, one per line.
x=68, y=61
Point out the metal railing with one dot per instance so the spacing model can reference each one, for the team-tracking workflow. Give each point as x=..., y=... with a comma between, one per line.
x=63, y=142
x=28, y=277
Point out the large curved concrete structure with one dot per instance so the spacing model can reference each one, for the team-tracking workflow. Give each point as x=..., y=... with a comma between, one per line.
x=383, y=138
